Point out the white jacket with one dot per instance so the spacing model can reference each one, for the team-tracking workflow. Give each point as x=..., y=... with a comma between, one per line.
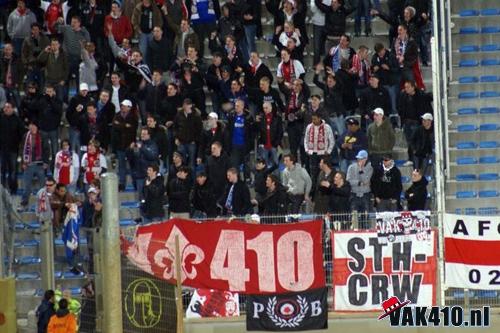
x=314, y=146
x=73, y=171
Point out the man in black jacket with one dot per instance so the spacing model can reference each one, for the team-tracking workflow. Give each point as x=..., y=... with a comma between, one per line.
x=270, y=130
x=386, y=185
x=159, y=136
x=204, y=199
x=151, y=95
x=153, y=193
x=423, y=143
x=178, y=192
x=255, y=70
x=187, y=129
x=375, y=96
x=236, y=200
x=275, y=203
x=77, y=105
x=11, y=134
x=45, y=311
x=416, y=194
x=29, y=108
x=269, y=94
x=159, y=55
x=214, y=133
x=216, y=166
x=335, y=18
x=49, y=118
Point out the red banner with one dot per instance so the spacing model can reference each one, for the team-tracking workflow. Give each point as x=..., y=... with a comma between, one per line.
x=239, y=257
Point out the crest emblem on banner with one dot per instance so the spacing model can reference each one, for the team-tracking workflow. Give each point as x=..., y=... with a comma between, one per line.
x=287, y=312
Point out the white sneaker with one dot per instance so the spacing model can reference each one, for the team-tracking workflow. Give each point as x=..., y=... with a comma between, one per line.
x=408, y=163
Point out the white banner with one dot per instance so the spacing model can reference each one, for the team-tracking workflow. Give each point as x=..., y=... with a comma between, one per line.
x=393, y=227
x=471, y=252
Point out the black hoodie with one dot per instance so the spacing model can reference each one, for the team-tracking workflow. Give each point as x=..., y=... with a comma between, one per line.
x=416, y=195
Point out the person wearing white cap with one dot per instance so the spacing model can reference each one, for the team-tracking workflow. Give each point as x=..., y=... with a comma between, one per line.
x=359, y=175
x=381, y=137
x=76, y=106
x=214, y=131
x=423, y=143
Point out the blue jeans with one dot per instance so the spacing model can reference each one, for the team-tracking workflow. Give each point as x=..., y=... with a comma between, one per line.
x=393, y=94
x=344, y=164
x=33, y=170
x=18, y=45
x=188, y=150
x=143, y=44
x=363, y=10
x=74, y=140
x=338, y=124
x=139, y=186
x=319, y=38
x=122, y=167
x=409, y=130
x=269, y=155
x=250, y=33
x=53, y=138
x=363, y=206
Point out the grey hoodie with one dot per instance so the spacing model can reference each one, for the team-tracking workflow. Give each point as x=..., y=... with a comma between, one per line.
x=360, y=182
x=297, y=180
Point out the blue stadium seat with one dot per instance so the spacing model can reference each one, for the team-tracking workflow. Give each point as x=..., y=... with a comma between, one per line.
x=58, y=242
x=469, y=30
x=486, y=293
x=468, y=95
x=31, y=242
x=488, y=160
x=488, y=194
x=75, y=291
x=28, y=260
x=70, y=275
x=490, y=62
x=488, y=176
x=465, y=194
x=489, y=110
x=489, y=78
x=468, y=48
x=488, y=127
x=399, y=163
x=58, y=274
x=470, y=211
x=461, y=293
x=490, y=30
x=405, y=179
x=127, y=223
x=489, y=94
x=466, y=111
x=466, y=160
x=20, y=226
x=465, y=177
x=33, y=225
x=466, y=128
x=487, y=211
x=130, y=188
x=488, y=144
x=18, y=243
x=466, y=145
x=468, y=79
x=468, y=63
x=489, y=12
x=27, y=276
x=130, y=204
x=468, y=12
x=488, y=48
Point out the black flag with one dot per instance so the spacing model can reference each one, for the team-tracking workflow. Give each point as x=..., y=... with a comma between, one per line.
x=307, y=310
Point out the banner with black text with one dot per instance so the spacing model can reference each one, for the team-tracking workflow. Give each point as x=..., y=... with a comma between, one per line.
x=366, y=272
x=393, y=227
x=307, y=310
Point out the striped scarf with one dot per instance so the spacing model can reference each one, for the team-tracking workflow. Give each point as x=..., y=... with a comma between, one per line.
x=28, y=148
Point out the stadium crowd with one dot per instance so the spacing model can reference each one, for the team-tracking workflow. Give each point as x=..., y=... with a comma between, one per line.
x=144, y=70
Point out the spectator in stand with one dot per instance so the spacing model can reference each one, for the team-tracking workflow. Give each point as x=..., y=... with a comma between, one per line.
x=236, y=199
x=315, y=107
x=296, y=97
x=381, y=137
x=298, y=182
x=270, y=130
x=214, y=132
x=168, y=111
x=319, y=29
x=216, y=166
x=179, y=189
x=67, y=166
x=347, y=82
x=152, y=94
x=342, y=51
x=406, y=50
x=288, y=70
x=386, y=185
x=363, y=10
x=159, y=51
x=231, y=50
x=350, y=143
x=141, y=154
x=361, y=68
x=93, y=13
x=251, y=18
x=53, y=11
x=77, y=106
x=63, y=320
x=204, y=15
x=92, y=69
x=212, y=77
x=318, y=143
x=385, y=67
x=11, y=133
x=159, y=136
x=11, y=74
x=422, y=144
x=413, y=104
x=174, y=11
x=118, y=91
x=45, y=311
x=290, y=10
x=261, y=172
x=416, y=194
x=73, y=36
x=185, y=37
x=145, y=17
x=230, y=23
x=375, y=96
x=340, y=195
x=283, y=34
x=254, y=71
x=359, y=175
x=192, y=88
x=120, y=24
x=32, y=46
x=335, y=19
x=203, y=200
x=123, y=134
x=29, y=107
x=90, y=126
x=239, y=135
x=187, y=129
x=60, y=202
x=93, y=163
x=333, y=104
x=55, y=63
x=105, y=114
x=153, y=194
x=325, y=179
x=19, y=25
x=267, y=93
x=275, y=203
x=177, y=163
x=50, y=111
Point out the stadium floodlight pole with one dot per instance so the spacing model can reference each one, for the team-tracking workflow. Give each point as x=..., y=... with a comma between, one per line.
x=111, y=265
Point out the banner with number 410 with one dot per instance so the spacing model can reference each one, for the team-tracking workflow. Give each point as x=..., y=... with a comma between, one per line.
x=239, y=257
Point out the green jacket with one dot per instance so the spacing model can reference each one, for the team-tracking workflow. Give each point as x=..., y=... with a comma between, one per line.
x=381, y=139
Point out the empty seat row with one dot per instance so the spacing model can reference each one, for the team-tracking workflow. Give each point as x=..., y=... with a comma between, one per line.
x=474, y=194
x=473, y=160
x=473, y=111
x=482, y=94
x=478, y=12
x=467, y=177
x=476, y=48
x=475, y=63
x=57, y=275
x=474, y=145
x=482, y=79
x=478, y=211
x=479, y=30
x=483, y=127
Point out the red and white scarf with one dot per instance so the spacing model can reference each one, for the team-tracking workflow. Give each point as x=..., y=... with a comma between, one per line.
x=293, y=102
x=91, y=161
x=320, y=144
x=288, y=71
x=28, y=148
x=254, y=68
